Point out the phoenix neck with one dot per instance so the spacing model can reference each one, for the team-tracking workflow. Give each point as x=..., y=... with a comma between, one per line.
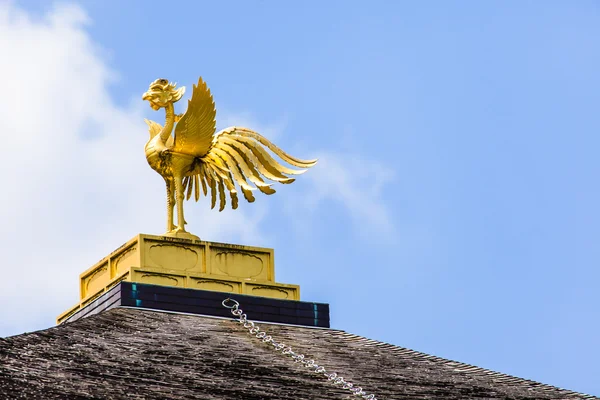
x=169, y=123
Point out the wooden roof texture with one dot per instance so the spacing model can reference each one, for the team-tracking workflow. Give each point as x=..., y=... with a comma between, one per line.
x=136, y=354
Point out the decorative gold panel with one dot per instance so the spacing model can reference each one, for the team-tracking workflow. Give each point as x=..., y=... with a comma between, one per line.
x=215, y=285
x=156, y=278
x=266, y=291
x=275, y=291
x=238, y=264
x=123, y=261
x=241, y=262
x=173, y=256
x=177, y=255
x=96, y=280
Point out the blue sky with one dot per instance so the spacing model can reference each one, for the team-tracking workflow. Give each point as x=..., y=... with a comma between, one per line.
x=455, y=207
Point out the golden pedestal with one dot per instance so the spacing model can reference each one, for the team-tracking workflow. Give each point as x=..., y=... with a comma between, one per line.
x=185, y=263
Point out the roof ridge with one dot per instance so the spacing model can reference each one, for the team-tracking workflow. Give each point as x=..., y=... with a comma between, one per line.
x=464, y=367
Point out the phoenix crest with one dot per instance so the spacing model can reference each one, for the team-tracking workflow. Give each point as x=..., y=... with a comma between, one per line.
x=196, y=158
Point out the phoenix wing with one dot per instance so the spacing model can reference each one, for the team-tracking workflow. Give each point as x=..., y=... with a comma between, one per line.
x=195, y=130
x=238, y=156
x=154, y=128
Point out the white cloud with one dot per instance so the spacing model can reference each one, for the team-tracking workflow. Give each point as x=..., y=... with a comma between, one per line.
x=354, y=182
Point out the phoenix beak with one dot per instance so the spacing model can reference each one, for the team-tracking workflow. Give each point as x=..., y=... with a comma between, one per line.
x=146, y=96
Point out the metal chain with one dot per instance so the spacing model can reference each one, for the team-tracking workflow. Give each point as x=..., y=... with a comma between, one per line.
x=234, y=306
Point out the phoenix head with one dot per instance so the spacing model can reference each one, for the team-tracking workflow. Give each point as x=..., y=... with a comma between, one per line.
x=162, y=92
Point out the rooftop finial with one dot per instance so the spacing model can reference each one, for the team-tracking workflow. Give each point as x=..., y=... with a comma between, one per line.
x=196, y=156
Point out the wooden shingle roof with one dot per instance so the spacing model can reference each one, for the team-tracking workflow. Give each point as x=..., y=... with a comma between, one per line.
x=137, y=354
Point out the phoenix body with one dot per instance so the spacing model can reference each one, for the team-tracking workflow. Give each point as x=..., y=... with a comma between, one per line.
x=192, y=157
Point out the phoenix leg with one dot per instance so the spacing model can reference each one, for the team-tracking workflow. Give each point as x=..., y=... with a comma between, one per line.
x=170, y=204
x=179, y=202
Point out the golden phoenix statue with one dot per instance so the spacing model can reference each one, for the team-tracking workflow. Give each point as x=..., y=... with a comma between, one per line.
x=197, y=156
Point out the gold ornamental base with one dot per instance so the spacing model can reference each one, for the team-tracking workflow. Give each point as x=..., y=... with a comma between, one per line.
x=186, y=263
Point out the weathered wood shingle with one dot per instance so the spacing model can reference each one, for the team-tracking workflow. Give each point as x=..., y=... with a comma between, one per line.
x=136, y=354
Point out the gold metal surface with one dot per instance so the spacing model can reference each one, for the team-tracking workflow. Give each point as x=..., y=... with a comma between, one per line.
x=186, y=263
x=197, y=158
